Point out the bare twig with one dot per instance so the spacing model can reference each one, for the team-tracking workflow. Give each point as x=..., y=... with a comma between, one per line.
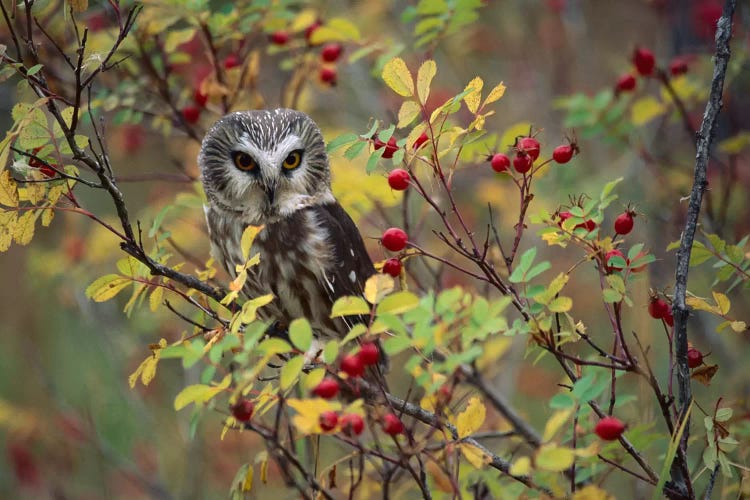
x=679, y=307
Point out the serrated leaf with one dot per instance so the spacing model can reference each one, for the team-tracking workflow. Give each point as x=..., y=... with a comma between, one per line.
x=349, y=306
x=555, y=286
x=398, y=303
x=199, y=393
x=23, y=231
x=407, y=113
x=495, y=94
x=426, y=73
x=397, y=76
x=557, y=420
x=290, y=371
x=155, y=299
x=106, y=287
x=474, y=97
x=300, y=333
x=554, y=458
x=475, y=455
x=8, y=190
x=561, y=305
x=354, y=150
x=341, y=141
x=377, y=287
x=471, y=419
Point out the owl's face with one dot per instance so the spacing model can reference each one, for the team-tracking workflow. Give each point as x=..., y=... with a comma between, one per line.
x=265, y=164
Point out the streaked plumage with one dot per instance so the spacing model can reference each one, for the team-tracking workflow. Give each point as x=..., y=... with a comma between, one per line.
x=311, y=252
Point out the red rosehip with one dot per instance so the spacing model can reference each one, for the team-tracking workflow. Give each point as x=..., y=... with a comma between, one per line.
x=191, y=114
x=694, y=358
x=328, y=75
x=392, y=425
x=280, y=37
x=390, y=148
x=589, y=225
x=310, y=29
x=328, y=420
x=242, y=410
x=564, y=216
x=530, y=146
x=624, y=222
x=658, y=308
x=231, y=61
x=369, y=353
x=609, y=428
x=522, y=162
x=420, y=140
x=625, y=83
x=499, y=162
x=353, y=366
x=394, y=239
x=398, y=179
x=331, y=52
x=352, y=424
x=200, y=98
x=609, y=268
x=392, y=267
x=23, y=463
x=563, y=153
x=328, y=388
x=644, y=61
x=678, y=66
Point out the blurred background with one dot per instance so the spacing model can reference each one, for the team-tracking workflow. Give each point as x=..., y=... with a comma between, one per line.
x=71, y=427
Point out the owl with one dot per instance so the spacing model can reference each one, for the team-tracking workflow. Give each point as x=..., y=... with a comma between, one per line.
x=270, y=168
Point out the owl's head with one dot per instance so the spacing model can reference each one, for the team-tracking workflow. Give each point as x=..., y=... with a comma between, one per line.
x=265, y=164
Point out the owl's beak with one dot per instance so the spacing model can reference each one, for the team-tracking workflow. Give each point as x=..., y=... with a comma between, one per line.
x=270, y=193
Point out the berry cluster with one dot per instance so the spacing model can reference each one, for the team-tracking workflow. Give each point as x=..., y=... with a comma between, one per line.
x=525, y=153
x=644, y=63
x=658, y=308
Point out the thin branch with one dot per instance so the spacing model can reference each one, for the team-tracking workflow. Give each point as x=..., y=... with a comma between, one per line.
x=680, y=311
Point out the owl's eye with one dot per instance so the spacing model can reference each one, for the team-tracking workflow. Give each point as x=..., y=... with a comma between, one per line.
x=243, y=161
x=293, y=160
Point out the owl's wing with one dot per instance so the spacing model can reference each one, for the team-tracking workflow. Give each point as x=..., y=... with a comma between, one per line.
x=352, y=265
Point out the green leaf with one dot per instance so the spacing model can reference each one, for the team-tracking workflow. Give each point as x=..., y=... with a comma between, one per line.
x=608, y=187
x=341, y=141
x=398, y=303
x=34, y=69
x=330, y=351
x=274, y=346
x=349, y=306
x=561, y=305
x=300, y=333
x=106, y=287
x=537, y=270
x=199, y=393
x=671, y=452
x=611, y=296
x=396, y=344
x=354, y=150
x=290, y=371
x=562, y=401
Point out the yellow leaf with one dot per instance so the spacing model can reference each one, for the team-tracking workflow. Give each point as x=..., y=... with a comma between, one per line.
x=495, y=94
x=592, y=492
x=154, y=300
x=250, y=308
x=554, y=423
x=471, y=419
x=290, y=371
x=723, y=302
x=247, y=483
x=47, y=216
x=553, y=289
x=24, y=229
x=492, y=350
x=475, y=456
x=8, y=190
x=521, y=467
x=398, y=303
x=409, y=110
x=439, y=477
x=561, y=304
x=424, y=78
x=147, y=369
x=7, y=228
x=701, y=305
x=199, y=393
x=473, y=98
x=336, y=29
x=378, y=286
x=349, y=306
x=273, y=346
x=310, y=380
x=177, y=37
x=106, y=287
x=738, y=326
x=646, y=109
x=304, y=19
x=35, y=190
x=590, y=451
x=248, y=236
x=307, y=419
x=552, y=458
x=397, y=76
x=79, y=5
x=735, y=144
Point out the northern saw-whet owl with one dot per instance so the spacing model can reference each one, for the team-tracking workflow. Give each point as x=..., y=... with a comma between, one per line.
x=270, y=167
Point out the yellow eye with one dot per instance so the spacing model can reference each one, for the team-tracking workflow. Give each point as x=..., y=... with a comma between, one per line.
x=293, y=160
x=244, y=161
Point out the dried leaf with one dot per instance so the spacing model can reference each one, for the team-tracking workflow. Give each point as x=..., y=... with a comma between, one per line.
x=473, y=98
x=704, y=374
